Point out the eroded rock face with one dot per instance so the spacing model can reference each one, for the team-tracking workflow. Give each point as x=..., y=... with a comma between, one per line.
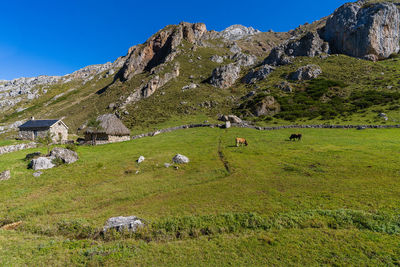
x=66, y=155
x=244, y=60
x=160, y=48
x=308, y=72
x=268, y=106
x=310, y=45
x=225, y=76
x=364, y=31
x=258, y=75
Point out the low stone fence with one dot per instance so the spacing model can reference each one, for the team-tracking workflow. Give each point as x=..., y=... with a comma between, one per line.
x=321, y=126
x=13, y=148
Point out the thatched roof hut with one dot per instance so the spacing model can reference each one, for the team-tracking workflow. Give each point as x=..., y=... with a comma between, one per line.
x=108, y=128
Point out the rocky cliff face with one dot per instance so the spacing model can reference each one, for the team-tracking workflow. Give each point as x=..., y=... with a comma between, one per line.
x=160, y=48
x=310, y=45
x=366, y=31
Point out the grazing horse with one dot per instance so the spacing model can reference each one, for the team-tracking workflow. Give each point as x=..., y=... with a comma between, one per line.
x=241, y=141
x=295, y=136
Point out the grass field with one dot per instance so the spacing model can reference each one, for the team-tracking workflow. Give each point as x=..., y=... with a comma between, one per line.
x=332, y=198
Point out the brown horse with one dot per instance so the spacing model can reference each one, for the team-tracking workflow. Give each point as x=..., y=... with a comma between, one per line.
x=241, y=141
x=293, y=137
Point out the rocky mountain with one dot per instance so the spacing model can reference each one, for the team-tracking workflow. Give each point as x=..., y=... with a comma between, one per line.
x=187, y=71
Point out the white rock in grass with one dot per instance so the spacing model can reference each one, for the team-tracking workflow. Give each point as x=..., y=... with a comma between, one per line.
x=140, y=159
x=42, y=163
x=5, y=175
x=120, y=224
x=180, y=159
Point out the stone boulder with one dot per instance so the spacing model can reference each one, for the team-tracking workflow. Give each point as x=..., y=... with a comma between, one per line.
x=230, y=118
x=41, y=163
x=310, y=45
x=308, y=72
x=258, y=75
x=66, y=155
x=217, y=59
x=5, y=175
x=140, y=159
x=225, y=76
x=285, y=87
x=267, y=106
x=180, y=159
x=369, y=31
x=121, y=224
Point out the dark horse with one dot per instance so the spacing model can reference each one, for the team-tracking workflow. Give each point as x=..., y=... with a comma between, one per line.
x=295, y=136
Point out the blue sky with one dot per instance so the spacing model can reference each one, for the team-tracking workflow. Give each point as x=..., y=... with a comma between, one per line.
x=58, y=37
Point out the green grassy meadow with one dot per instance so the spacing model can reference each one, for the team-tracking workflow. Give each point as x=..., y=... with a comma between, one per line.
x=332, y=198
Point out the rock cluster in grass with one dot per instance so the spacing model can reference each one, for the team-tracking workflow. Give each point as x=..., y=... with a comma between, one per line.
x=308, y=72
x=121, y=224
x=58, y=153
x=267, y=106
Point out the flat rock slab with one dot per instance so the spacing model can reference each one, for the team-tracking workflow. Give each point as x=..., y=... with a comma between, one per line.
x=41, y=163
x=120, y=224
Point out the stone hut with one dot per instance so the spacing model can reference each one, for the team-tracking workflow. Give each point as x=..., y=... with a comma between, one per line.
x=109, y=129
x=34, y=129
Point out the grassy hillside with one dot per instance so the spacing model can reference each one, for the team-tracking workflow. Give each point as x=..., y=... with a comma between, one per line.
x=329, y=199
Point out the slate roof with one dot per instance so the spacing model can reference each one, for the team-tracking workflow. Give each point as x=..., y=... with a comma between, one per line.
x=38, y=124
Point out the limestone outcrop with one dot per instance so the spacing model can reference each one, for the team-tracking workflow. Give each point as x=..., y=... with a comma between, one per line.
x=365, y=31
x=160, y=48
x=225, y=76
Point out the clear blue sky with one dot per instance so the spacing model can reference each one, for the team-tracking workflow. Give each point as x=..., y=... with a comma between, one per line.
x=57, y=37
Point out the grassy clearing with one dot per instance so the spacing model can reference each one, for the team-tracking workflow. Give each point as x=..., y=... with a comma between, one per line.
x=329, y=199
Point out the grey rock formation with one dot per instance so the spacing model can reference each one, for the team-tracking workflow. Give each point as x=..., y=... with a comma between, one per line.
x=285, y=87
x=267, y=106
x=217, y=59
x=161, y=48
x=227, y=124
x=66, y=155
x=5, y=175
x=258, y=75
x=18, y=147
x=180, y=159
x=308, y=72
x=237, y=32
x=121, y=224
x=150, y=87
x=244, y=60
x=225, y=76
x=41, y=163
x=365, y=31
x=230, y=118
x=190, y=86
x=310, y=45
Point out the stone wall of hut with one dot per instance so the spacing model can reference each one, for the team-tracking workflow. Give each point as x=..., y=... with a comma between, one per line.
x=60, y=132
